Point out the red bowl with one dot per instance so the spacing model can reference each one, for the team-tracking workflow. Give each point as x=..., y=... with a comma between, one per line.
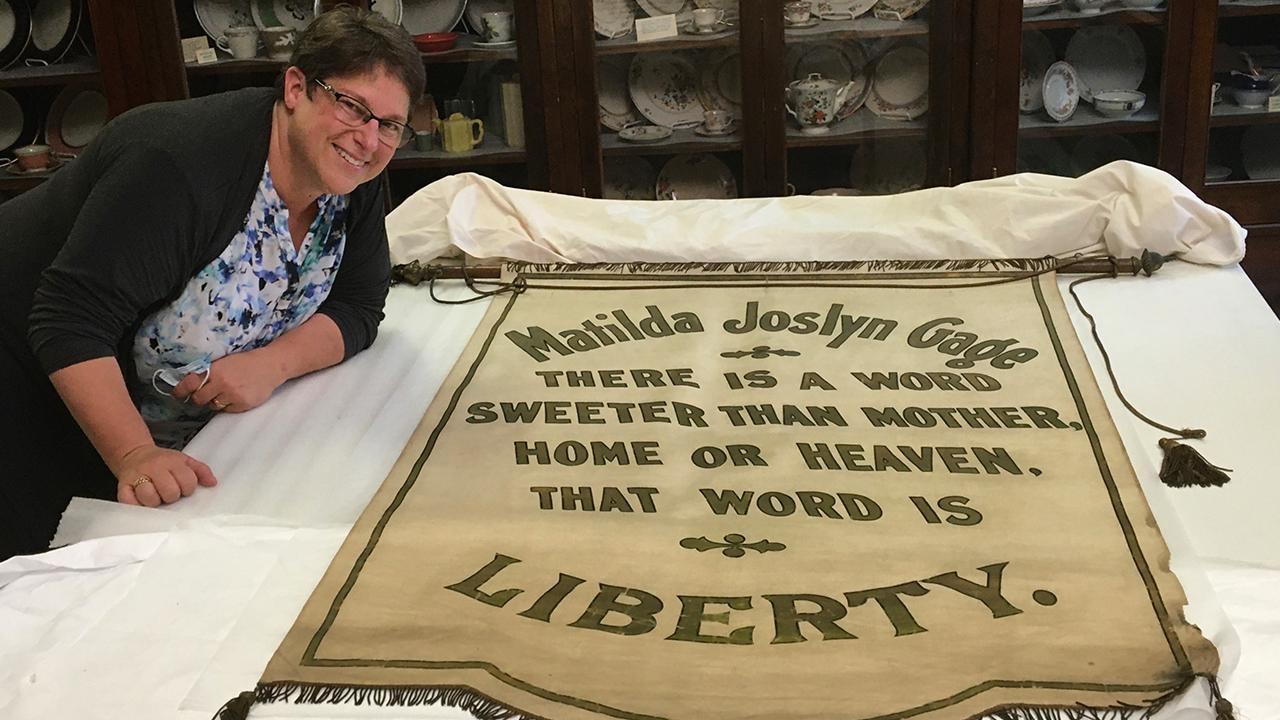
x=435, y=42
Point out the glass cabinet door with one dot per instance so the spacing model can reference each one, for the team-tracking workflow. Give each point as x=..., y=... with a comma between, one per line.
x=858, y=95
x=1244, y=119
x=1090, y=84
x=670, y=104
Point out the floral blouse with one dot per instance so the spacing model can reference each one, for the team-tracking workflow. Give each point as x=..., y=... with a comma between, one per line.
x=259, y=288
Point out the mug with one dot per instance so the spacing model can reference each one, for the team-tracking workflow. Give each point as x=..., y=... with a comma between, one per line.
x=498, y=26
x=279, y=42
x=33, y=157
x=796, y=12
x=423, y=140
x=707, y=18
x=716, y=120
x=241, y=42
x=460, y=134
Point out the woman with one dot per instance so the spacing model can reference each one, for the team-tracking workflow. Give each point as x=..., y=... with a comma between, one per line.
x=193, y=258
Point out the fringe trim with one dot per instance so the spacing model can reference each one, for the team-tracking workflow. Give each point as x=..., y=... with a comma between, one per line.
x=1004, y=264
x=479, y=706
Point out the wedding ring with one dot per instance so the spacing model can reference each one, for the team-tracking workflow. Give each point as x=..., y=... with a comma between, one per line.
x=140, y=480
x=218, y=404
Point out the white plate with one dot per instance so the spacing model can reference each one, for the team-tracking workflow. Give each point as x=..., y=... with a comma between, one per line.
x=721, y=86
x=902, y=8
x=1107, y=57
x=476, y=8
x=215, y=16
x=653, y=8
x=842, y=9
x=1094, y=151
x=75, y=117
x=1260, y=150
x=628, y=177
x=428, y=16
x=616, y=110
x=644, y=134
x=696, y=177
x=613, y=18
x=900, y=85
x=888, y=166
x=1037, y=56
x=497, y=45
x=664, y=87
x=294, y=14
x=1061, y=90
x=811, y=22
x=53, y=28
x=842, y=62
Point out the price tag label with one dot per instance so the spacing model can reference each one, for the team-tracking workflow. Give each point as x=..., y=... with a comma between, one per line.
x=206, y=56
x=1273, y=103
x=656, y=28
x=192, y=45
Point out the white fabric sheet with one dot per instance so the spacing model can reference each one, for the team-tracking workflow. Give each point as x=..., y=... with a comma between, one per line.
x=1121, y=208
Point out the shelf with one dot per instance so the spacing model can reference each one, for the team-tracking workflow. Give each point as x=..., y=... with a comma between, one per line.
x=64, y=72
x=463, y=52
x=861, y=127
x=1110, y=16
x=628, y=44
x=492, y=151
x=862, y=28
x=1228, y=113
x=1239, y=9
x=681, y=141
x=1087, y=121
x=229, y=66
x=15, y=183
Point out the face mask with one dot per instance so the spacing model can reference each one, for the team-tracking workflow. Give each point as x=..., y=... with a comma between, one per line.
x=165, y=380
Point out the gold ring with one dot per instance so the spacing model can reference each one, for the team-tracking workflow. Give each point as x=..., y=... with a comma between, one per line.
x=218, y=404
x=140, y=480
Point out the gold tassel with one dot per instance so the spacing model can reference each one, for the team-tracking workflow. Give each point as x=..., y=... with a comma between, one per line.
x=1183, y=467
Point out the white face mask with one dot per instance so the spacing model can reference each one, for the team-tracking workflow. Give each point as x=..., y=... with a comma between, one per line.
x=165, y=380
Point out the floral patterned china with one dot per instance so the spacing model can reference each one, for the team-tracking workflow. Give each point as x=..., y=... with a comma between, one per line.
x=644, y=133
x=844, y=62
x=616, y=109
x=1106, y=57
x=696, y=177
x=813, y=102
x=1061, y=91
x=900, y=9
x=842, y=9
x=900, y=85
x=613, y=18
x=1037, y=56
x=216, y=16
x=721, y=86
x=664, y=88
x=477, y=8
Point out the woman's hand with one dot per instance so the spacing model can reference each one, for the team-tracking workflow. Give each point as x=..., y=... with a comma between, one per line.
x=153, y=476
x=237, y=382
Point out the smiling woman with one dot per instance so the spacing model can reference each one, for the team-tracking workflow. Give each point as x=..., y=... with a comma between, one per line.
x=225, y=282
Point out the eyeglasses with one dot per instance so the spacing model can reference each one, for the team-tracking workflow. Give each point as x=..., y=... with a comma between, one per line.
x=354, y=113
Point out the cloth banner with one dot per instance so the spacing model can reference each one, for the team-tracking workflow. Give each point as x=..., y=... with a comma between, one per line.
x=723, y=492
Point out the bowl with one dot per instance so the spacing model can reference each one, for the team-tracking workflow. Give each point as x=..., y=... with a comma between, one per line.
x=1118, y=103
x=1250, y=98
x=435, y=42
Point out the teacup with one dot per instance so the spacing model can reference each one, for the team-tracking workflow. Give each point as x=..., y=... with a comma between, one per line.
x=716, y=120
x=34, y=157
x=499, y=26
x=796, y=12
x=241, y=42
x=279, y=41
x=706, y=19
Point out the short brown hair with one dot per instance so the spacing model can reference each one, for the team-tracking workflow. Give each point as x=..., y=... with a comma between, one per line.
x=351, y=41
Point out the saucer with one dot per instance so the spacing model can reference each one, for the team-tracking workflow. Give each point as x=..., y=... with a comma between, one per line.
x=644, y=133
x=55, y=162
x=704, y=132
x=800, y=26
x=498, y=45
x=713, y=30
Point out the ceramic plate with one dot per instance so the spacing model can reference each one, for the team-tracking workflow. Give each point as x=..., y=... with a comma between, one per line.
x=628, y=177
x=54, y=163
x=811, y=22
x=653, y=8
x=888, y=166
x=1216, y=173
x=75, y=117
x=842, y=9
x=664, y=87
x=616, y=109
x=644, y=133
x=54, y=24
x=427, y=16
x=215, y=16
x=1094, y=151
x=476, y=8
x=1107, y=57
x=842, y=62
x=1260, y=149
x=288, y=13
x=696, y=177
x=499, y=45
x=721, y=86
x=1061, y=90
x=901, y=8
x=613, y=18
x=900, y=85
x=16, y=129
x=1037, y=56
x=15, y=30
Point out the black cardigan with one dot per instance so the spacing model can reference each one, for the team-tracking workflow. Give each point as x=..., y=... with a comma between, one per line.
x=158, y=195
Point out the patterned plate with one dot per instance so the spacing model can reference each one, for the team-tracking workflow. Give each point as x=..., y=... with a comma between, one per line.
x=616, y=109
x=294, y=14
x=843, y=62
x=427, y=16
x=1037, y=56
x=842, y=9
x=664, y=87
x=696, y=177
x=903, y=9
x=900, y=87
x=628, y=177
x=54, y=24
x=643, y=134
x=1061, y=91
x=721, y=86
x=476, y=8
x=215, y=16
x=1107, y=57
x=613, y=18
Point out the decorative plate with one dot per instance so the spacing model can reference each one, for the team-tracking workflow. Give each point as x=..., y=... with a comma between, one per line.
x=1061, y=91
x=428, y=16
x=476, y=8
x=721, y=86
x=1107, y=57
x=889, y=166
x=616, y=109
x=653, y=8
x=16, y=128
x=613, y=18
x=15, y=30
x=1094, y=151
x=294, y=14
x=628, y=177
x=664, y=87
x=75, y=117
x=901, y=8
x=900, y=86
x=696, y=177
x=215, y=16
x=842, y=9
x=54, y=24
x=1037, y=56
x=1260, y=150
x=644, y=134
x=842, y=62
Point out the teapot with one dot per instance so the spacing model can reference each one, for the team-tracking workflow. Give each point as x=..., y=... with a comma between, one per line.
x=814, y=101
x=459, y=133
